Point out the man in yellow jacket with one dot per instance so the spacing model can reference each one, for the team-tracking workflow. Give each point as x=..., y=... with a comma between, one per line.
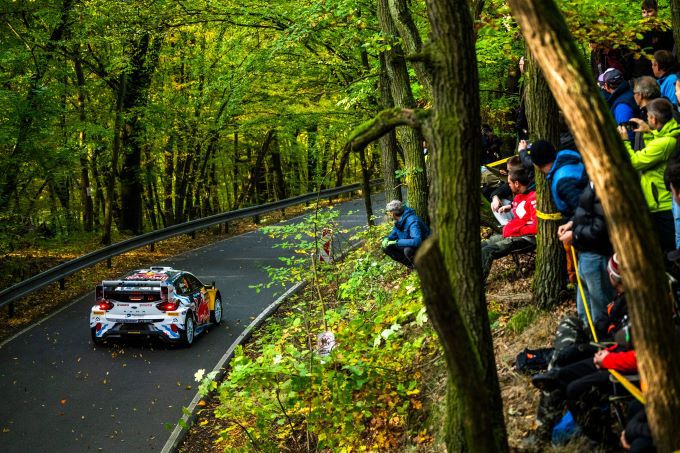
x=660, y=140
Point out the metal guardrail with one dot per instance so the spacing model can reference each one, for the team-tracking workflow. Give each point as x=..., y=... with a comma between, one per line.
x=60, y=272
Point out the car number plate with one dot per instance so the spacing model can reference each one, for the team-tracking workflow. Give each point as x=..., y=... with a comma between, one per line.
x=128, y=321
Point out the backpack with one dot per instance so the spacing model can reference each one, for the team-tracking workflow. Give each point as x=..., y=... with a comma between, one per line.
x=532, y=361
x=572, y=342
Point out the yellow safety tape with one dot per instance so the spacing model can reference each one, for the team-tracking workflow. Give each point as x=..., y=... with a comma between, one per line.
x=548, y=216
x=498, y=162
x=636, y=392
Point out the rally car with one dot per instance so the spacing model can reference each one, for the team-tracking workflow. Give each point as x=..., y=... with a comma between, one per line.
x=160, y=301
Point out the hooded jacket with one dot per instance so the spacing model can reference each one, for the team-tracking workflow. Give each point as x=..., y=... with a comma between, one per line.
x=523, y=222
x=590, y=228
x=409, y=230
x=567, y=179
x=651, y=162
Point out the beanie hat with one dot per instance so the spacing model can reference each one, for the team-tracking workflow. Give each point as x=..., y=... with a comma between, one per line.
x=614, y=269
x=542, y=152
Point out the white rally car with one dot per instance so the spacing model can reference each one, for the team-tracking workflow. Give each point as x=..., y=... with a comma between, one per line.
x=160, y=301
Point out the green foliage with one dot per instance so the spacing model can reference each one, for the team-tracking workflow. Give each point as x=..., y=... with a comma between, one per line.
x=523, y=319
x=362, y=394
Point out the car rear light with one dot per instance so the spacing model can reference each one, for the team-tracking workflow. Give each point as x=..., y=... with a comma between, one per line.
x=167, y=306
x=105, y=305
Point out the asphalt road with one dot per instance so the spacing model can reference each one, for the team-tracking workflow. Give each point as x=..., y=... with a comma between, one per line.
x=60, y=393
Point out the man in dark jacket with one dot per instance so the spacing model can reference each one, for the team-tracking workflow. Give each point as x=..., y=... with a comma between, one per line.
x=407, y=235
x=621, y=101
x=587, y=232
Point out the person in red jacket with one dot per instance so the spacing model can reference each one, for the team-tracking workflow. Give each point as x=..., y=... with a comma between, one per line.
x=520, y=232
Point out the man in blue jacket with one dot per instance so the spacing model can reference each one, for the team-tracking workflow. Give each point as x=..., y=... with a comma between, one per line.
x=408, y=233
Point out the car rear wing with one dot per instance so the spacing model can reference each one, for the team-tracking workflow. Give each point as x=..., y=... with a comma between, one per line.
x=133, y=283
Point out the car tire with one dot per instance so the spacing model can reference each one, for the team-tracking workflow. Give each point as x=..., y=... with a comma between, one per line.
x=216, y=314
x=189, y=333
x=95, y=340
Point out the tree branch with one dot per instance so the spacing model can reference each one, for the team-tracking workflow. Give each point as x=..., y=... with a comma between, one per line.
x=383, y=123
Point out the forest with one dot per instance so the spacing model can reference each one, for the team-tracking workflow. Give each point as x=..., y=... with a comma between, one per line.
x=127, y=116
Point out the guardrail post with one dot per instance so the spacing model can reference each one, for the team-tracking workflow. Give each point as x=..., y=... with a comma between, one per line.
x=256, y=219
x=283, y=213
x=11, y=310
x=226, y=227
x=152, y=246
x=193, y=235
x=109, y=263
x=62, y=284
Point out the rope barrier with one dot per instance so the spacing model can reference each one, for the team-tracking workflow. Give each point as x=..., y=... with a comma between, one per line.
x=498, y=162
x=632, y=389
x=548, y=215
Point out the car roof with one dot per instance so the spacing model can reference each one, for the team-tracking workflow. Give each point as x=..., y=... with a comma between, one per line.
x=155, y=274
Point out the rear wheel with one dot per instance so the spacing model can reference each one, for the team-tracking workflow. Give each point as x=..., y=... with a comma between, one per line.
x=187, y=335
x=216, y=314
x=95, y=340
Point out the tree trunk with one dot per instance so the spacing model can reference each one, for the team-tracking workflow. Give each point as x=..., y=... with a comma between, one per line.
x=550, y=277
x=617, y=185
x=413, y=43
x=456, y=141
x=411, y=139
x=312, y=153
x=256, y=173
x=675, y=15
x=366, y=187
x=112, y=171
x=144, y=58
x=388, y=142
x=279, y=181
x=168, y=176
x=85, y=189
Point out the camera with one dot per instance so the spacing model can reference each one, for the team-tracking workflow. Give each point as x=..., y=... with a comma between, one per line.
x=630, y=125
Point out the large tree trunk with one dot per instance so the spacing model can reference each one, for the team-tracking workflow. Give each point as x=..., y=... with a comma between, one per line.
x=629, y=224
x=112, y=171
x=144, y=58
x=455, y=159
x=411, y=139
x=543, y=117
x=388, y=142
x=675, y=14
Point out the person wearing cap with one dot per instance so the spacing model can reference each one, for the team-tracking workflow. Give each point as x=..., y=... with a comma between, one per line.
x=563, y=170
x=520, y=231
x=621, y=101
x=663, y=66
x=660, y=142
x=408, y=233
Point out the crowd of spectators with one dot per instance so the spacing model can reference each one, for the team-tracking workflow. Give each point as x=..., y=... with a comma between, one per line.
x=642, y=94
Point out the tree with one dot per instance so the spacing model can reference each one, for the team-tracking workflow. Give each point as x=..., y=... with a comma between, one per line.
x=543, y=117
x=609, y=168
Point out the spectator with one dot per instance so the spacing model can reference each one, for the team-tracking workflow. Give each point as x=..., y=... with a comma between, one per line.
x=491, y=145
x=672, y=180
x=621, y=101
x=564, y=172
x=519, y=232
x=660, y=142
x=652, y=40
x=644, y=90
x=587, y=231
x=502, y=195
x=407, y=235
x=637, y=437
x=663, y=66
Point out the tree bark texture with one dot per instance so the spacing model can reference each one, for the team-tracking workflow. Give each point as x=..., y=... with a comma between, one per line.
x=388, y=142
x=550, y=277
x=411, y=139
x=144, y=57
x=366, y=187
x=410, y=37
x=675, y=15
x=617, y=185
x=456, y=142
x=461, y=355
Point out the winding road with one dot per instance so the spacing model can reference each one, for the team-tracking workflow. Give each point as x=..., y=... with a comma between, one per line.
x=62, y=394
